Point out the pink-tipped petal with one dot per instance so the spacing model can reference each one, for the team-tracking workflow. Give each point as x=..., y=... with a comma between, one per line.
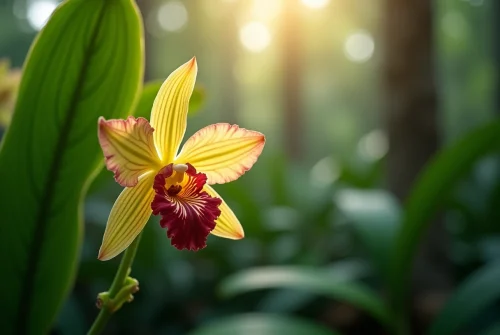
x=128, y=148
x=222, y=151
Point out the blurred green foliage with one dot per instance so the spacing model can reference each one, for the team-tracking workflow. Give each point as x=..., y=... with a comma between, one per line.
x=262, y=325
x=392, y=240
x=478, y=292
x=318, y=281
x=434, y=185
x=326, y=247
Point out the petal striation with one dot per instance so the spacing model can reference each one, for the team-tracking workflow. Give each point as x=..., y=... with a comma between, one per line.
x=170, y=109
x=128, y=148
x=222, y=151
x=129, y=215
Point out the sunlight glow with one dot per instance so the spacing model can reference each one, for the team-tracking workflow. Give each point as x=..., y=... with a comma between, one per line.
x=266, y=9
x=316, y=4
x=255, y=36
x=359, y=47
x=172, y=16
x=39, y=12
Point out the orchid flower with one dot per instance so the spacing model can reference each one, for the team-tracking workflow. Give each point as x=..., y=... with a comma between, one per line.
x=160, y=180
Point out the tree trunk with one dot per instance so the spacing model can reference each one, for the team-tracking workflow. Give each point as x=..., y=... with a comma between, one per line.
x=411, y=121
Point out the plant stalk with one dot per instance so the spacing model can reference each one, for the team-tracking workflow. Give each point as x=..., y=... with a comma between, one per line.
x=118, y=282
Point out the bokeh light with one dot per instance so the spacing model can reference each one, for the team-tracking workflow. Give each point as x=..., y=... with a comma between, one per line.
x=39, y=12
x=316, y=3
x=172, y=16
x=359, y=47
x=324, y=172
x=255, y=36
x=373, y=145
x=454, y=25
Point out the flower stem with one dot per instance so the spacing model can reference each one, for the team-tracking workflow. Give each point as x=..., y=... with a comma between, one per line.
x=119, y=281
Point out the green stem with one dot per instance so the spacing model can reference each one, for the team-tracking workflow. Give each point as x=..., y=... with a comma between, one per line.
x=120, y=277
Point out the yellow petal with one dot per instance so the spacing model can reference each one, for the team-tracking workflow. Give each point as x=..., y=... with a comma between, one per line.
x=128, y=148
x=128, y=217
x=170, y=108
x=222, y=151
x=227, y=225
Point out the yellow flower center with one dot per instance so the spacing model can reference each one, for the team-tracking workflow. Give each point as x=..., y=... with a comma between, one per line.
x=173, y=183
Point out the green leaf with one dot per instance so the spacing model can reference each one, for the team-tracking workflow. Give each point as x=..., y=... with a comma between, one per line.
x=85, y=63
x=290, y=300
x=262, y=324
x=477, y=292
x=374, y=216
x=432, y=187
x=310, y=280
x=143, y=108
x=492, y=330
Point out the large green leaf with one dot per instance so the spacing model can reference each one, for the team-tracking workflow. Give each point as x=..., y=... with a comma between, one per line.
x=432, y=187
x=86, y=62
x=262, y=324
x=479, y=291
x=310, y=280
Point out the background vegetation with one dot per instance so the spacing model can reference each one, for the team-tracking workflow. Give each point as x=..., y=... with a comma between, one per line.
x=374, y=209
